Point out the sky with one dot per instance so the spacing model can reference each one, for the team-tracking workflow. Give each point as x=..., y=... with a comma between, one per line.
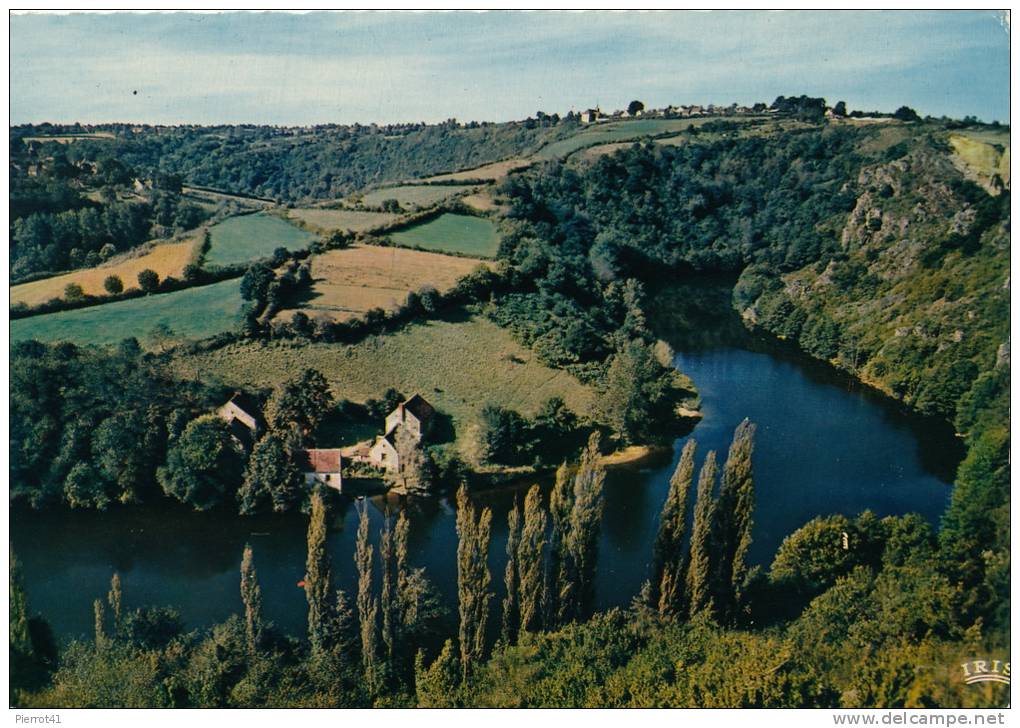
x=391, y=67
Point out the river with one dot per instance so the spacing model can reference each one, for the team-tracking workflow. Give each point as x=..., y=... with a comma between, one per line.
x=824, y=444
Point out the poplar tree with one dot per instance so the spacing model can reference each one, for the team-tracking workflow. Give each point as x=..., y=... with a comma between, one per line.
x=251, y=595
x=669, y=560
x=511, y=577
x=389, y=605
x=418, y=602
x=529, y=561
x=699, y=571
x=473, y=579
x=115, y=597
x=20, y=638
x=318, y=579
x=100, y=616
x=580, y=541
x=561, y=500
x=735, y=518
x=368, y=607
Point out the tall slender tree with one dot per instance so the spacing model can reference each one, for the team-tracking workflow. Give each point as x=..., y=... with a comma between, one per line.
x=368, y=607
x=251, y=596
x=20, y=638
x=318, y=579
x=511, y=577
x=100, y=618
x=699, y=571
x=115, y=598
x=390, y=607
x=734, y=518
x=580, y=542
x=561, y=501
x=529, y=561
x=669, y=558
x=474, y=531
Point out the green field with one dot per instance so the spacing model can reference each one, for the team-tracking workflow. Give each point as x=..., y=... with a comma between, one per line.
x=326, y=219
x=459, y=365
x=414, y=195
x=451, y=233
x=193, y=313
x=250, y=237
x=622, y=131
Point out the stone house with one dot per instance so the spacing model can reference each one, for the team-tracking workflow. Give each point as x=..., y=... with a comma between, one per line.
x=244, y=416
x=414, y=414
x=414, y=417
x=383, y=453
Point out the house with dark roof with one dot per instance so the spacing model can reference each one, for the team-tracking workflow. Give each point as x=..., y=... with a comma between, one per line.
x=414, y=414
x=321, y=465
x=244, y=416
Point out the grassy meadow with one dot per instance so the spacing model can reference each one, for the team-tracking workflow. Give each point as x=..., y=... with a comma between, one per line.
x=321, y=219
x=167, y=259
x=250, y=237
x=459, y=364
x=452, y=233
x=491, y=172
x=414, y=195
x=349, y=282
x=193, y=313
x=621, y=131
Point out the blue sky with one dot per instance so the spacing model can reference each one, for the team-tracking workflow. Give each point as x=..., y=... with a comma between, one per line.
x=391, y=67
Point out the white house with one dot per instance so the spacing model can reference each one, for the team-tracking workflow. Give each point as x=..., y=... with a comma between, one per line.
x=322, y=465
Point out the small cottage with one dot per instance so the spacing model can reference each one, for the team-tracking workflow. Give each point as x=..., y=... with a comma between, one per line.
x=244, y=416
x=321, y=465
x=383, y=453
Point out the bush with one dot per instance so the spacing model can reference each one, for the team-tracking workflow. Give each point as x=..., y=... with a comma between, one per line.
x=148, y=280
x=113, y=285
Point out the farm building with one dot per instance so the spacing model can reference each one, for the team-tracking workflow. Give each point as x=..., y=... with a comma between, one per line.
x=384, y=453
x=412, y=417
x=415, y=414
x=590, y=116
x=322, y=465
x=244, y=415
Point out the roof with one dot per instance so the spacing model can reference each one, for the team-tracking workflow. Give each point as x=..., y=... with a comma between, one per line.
x=319, y=460
x=241, y=432
x=247, y=403
x=418, y=407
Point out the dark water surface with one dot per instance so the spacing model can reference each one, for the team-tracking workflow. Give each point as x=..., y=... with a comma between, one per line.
x=824, y=445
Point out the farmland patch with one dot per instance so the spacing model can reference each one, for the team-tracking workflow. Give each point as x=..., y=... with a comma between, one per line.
x=251, y=237
x=452, y=233
x=349, y=282
x=192, y=313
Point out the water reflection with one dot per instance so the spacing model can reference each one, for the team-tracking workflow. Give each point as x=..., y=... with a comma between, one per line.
x=824, y=445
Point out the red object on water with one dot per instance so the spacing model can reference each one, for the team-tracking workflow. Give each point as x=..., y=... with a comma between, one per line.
x=301, y=583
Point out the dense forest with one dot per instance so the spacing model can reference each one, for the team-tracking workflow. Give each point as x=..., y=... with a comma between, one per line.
x=871, y=251
x=71, y=210
x=325, y=162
